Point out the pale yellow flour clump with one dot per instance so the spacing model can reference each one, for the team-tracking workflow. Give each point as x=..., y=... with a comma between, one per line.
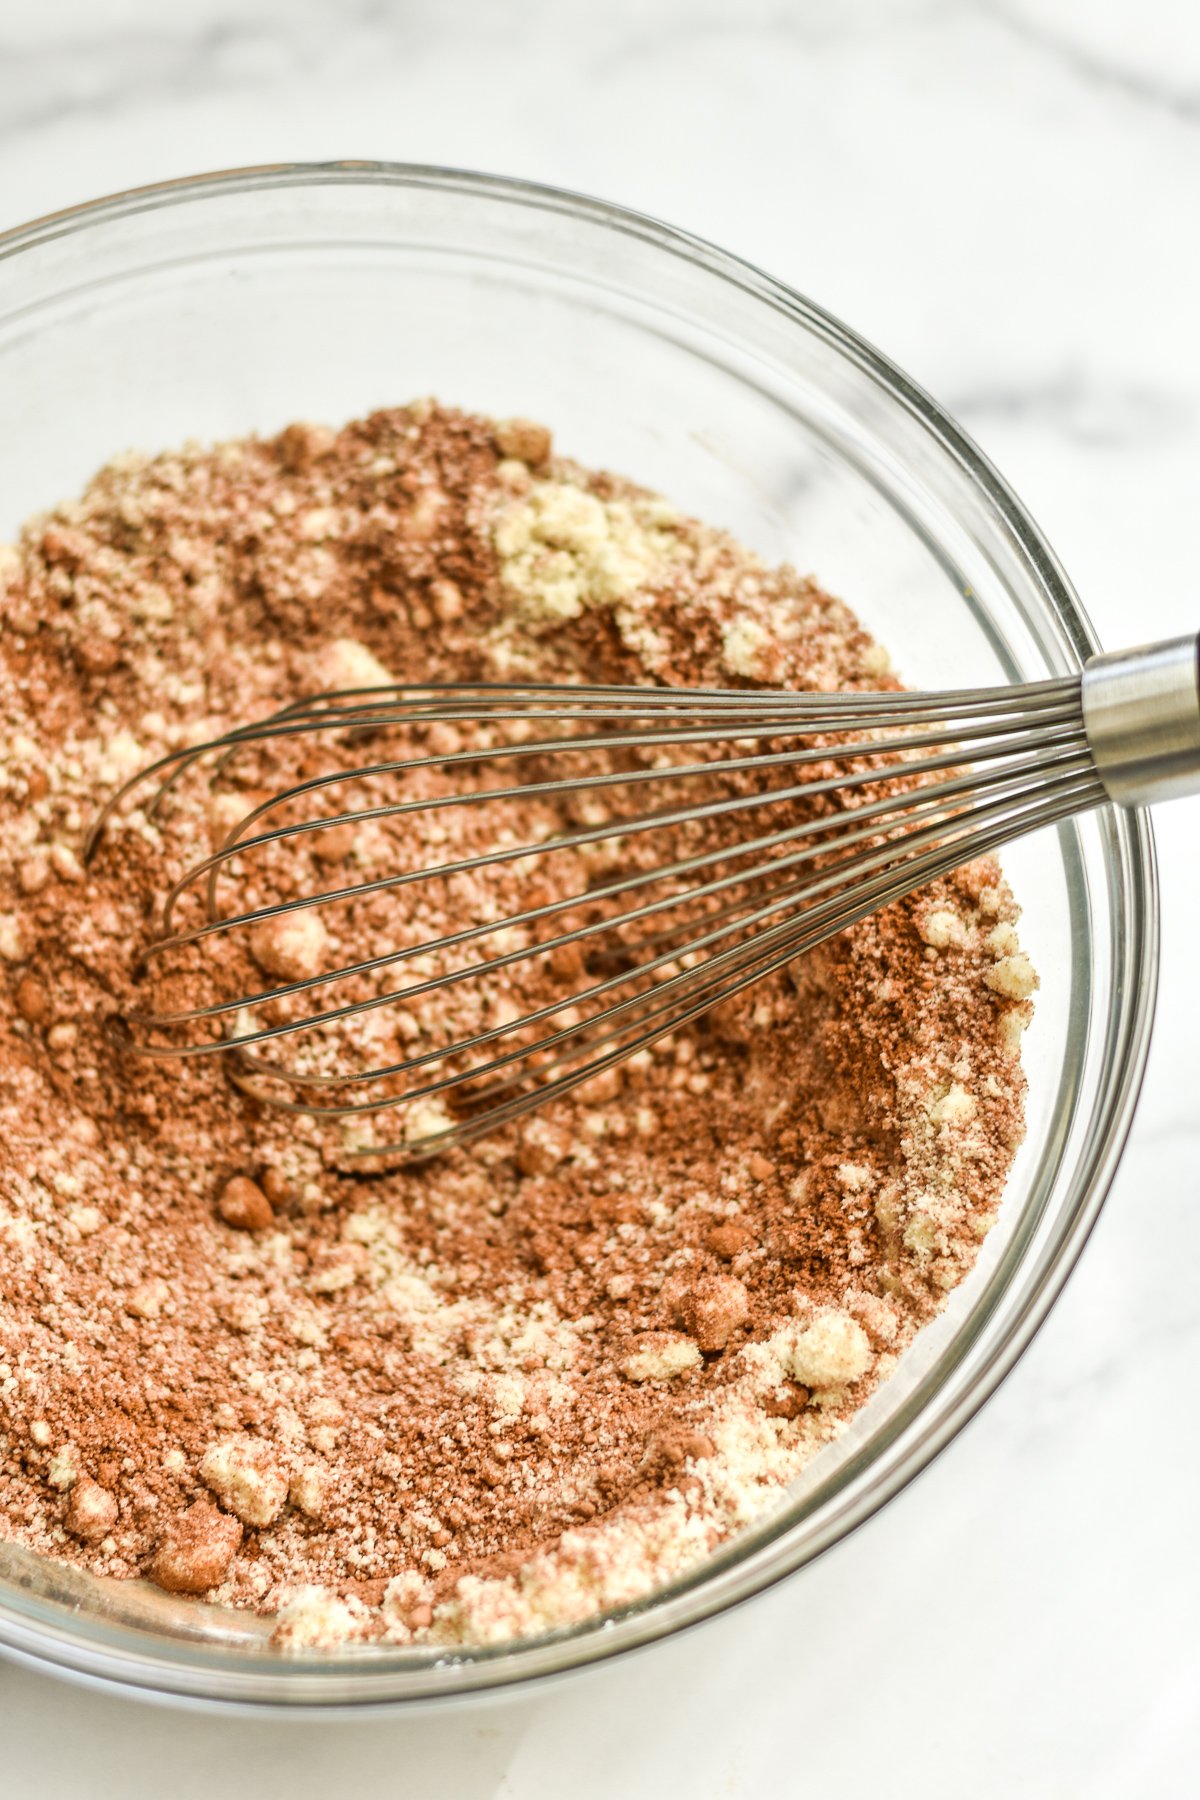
x=562, y=549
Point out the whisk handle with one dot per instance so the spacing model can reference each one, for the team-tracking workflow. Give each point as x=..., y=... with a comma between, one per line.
x=1141, y=712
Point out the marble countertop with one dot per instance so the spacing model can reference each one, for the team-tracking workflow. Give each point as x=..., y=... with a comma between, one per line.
x=1003, y=195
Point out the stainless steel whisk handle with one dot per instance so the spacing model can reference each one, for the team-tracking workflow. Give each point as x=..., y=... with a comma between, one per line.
x=1141, y=713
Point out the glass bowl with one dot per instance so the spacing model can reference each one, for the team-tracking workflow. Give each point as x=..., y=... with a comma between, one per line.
x=236, y=303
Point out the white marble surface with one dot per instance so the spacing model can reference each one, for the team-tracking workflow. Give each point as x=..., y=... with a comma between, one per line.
x=1003, y=194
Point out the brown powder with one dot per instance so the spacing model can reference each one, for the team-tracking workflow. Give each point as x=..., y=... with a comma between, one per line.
x=531, y=1379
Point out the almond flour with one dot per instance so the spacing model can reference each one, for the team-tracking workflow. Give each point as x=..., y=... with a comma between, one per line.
x=528, y=1381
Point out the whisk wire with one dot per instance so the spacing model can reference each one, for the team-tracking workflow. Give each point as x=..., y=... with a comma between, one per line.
x=739, y=962
x=848, y=780
x=882, y=793
x=712, y=994
x=909, y=805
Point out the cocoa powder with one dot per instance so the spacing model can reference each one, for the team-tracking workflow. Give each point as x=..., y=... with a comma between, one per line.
x=505, y=1389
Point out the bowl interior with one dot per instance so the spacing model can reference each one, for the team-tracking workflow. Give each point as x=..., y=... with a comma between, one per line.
x=215, y=308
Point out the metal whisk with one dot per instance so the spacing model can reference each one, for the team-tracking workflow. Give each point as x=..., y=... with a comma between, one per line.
x=782, y=819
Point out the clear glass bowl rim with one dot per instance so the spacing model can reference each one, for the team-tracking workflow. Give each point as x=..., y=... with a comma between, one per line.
x=201, y=1674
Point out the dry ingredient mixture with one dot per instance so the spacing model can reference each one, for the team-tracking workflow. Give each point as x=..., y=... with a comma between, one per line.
x=503, y=1390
